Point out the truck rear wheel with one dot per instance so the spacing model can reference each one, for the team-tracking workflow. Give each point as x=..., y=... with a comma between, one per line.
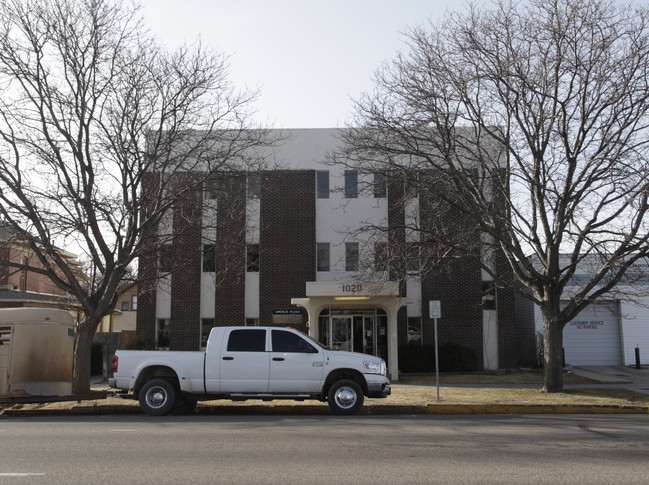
x=345, y=397
x=158, y=397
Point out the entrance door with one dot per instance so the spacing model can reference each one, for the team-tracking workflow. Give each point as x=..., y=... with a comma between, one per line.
x=341, y=333
x=369, y=336
x=357, y=330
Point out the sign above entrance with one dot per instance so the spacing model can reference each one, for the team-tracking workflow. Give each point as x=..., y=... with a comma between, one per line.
x=287, y=316
x=351, y=288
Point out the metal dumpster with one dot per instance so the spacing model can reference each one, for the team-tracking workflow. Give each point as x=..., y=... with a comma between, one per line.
x=36, y=352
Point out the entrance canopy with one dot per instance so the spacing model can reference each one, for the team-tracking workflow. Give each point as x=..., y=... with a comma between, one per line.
x=332, y=296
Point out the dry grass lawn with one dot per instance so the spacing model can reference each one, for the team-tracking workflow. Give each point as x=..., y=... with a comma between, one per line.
x=412, y=395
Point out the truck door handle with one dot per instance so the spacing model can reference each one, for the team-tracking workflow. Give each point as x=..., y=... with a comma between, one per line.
x=228, y=358
x=278, y=359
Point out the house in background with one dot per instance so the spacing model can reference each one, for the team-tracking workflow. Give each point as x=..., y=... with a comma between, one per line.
x=124, y=316
x=21, y=285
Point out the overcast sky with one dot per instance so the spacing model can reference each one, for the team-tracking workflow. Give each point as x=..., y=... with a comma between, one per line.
x=309, y=57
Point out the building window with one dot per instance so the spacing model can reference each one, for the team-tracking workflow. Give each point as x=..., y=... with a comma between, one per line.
x=323, y=257
x=488, y=295
x=206, y=326
x=351, y=256
x=166, y=259
x=381, y=257
x=252, y=322
x=411, y=187
x=124, y=306
x=413, y=259
x=209, y=258
x=254, y=185
x=351, y=184
x=414, y=330
x=380, y=186
x=322, y=185
x=210, y=188
x=252, y=258
x=162, y=333
x=134, y=303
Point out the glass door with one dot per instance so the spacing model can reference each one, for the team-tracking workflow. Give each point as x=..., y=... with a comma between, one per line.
x=369, y=335
x=357, y=330
x=341, y=334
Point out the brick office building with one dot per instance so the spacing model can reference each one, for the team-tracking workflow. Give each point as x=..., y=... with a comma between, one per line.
x=288, y=253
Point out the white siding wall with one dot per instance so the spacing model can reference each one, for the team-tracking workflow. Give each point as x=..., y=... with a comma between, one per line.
x=593, y=337
x=635, y=331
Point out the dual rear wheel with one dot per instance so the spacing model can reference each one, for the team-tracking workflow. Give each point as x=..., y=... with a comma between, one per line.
x=159, y=397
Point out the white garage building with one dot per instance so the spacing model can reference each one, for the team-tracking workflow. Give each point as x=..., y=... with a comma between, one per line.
x=606, y=333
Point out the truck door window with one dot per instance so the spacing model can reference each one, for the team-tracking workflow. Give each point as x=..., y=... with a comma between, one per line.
x=247, y=341
x=290, y=342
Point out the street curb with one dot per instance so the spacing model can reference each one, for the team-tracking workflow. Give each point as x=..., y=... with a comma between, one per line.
x=321, y=410
x=534, y=409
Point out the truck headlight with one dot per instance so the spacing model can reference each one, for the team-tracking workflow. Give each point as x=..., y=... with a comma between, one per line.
x=374, y=367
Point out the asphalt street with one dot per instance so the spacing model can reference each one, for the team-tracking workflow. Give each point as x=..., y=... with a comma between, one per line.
x=138, y=449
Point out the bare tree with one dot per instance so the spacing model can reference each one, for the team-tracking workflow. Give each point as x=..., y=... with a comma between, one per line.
x=92, y=110
x=536, y=113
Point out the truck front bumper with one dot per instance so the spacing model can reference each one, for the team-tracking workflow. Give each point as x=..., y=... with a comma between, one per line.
x=378, y=386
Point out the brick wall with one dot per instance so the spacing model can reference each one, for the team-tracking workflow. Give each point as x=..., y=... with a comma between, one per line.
x=396, y=245
x=287, y=235
x=454, y=278
x=231, y=252
x=186, y=272
x=148, y=269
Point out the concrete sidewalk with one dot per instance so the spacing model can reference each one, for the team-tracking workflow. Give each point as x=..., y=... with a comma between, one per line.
x=615, y=377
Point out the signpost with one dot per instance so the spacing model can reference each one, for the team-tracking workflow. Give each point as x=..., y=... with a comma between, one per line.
x=435, y=312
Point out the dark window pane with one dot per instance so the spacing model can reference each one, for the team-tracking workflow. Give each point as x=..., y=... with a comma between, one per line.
x=206, y=328
x=351, y=256
x=351, y=185
x=166, y=259
x=209, y=258
x=247, y=341
x=322, y=185
x=380, y=186
x=413, y=262
x=414, y=330
x=323, y=257
x=252, y=258
x=381, y=257
x=163, y=332
x=254, y=185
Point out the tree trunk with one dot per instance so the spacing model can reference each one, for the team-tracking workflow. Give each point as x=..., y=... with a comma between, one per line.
x=82, y=351
x=552, y=356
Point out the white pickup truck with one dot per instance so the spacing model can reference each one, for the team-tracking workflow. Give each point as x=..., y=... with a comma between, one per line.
x=250, y=363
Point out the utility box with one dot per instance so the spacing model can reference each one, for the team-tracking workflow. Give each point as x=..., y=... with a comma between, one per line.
x=36, y=352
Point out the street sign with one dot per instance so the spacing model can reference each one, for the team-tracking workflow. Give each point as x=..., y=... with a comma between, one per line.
x=435, y=309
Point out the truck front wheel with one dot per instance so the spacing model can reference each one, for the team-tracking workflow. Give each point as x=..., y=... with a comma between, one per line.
x=345, y=397
x=158, y=397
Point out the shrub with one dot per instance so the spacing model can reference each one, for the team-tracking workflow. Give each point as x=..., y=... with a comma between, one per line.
x=452, y=358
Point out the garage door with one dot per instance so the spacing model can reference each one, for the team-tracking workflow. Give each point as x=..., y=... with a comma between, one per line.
x=593, y=337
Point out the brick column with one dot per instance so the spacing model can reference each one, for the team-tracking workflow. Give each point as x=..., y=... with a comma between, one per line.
x=287, y=242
